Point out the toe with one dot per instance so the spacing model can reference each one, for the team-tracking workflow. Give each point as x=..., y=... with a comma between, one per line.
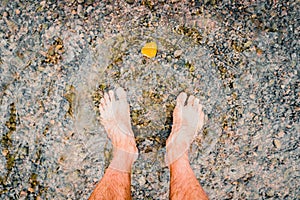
x=111, y=95
x=102, y=101
x=191, y=100
x=106, y=98
x=101, y=109
x=200, y=108
x=201, y=117
x=181, y=99
x=121, y=94
x=196, y=103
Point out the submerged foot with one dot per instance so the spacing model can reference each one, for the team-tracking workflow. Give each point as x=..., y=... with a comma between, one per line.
x=115, y=117
x=187, y=120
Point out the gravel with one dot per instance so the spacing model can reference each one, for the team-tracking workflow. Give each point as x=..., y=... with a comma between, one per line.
x=240, y=59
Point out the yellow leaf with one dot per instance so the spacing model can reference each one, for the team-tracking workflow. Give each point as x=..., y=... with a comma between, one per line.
x=150, y=49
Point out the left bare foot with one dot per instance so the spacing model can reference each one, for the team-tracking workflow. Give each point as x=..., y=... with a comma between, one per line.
x=115, y=117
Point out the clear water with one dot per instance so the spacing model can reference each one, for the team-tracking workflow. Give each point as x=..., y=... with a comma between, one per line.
x=53, y=145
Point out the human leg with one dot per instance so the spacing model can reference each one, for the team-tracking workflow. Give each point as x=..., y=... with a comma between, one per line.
x=187, y=119
x=115, y=117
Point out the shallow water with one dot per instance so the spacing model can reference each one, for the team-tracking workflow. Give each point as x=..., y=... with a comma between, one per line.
x=53, y=75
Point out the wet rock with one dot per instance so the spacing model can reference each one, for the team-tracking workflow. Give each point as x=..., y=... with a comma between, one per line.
x=178, y=53
x=281, y=134
x=252, y=96
x=142, y=180
x=5, y=14
x=130, y=1
x=17, y=11
x=270, y=193
x=241, y=65
x=80, y=10
x=277, y=143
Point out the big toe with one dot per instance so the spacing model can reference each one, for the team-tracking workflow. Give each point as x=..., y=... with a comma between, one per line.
x=191, y=100
x=181, y=99
x=121, y=94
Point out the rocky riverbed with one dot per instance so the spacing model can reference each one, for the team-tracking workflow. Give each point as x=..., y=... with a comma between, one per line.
x=240, y=58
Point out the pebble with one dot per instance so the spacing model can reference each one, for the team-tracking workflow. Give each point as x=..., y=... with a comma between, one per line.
x=89, y=9
x=17, y=11
x=79, y=9
x=74, y=12
x=178, y=53
x=89, y=2
x=270, y=193
x=169, y=58
x=5, y=14
x=130, y=1
x=281, y=134
x=43, y=3
x=142, y=180
x=252, y=96
x=277, y=143
x=23, y=193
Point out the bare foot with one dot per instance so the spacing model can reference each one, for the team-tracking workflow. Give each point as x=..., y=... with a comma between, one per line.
x=187, y=120
x=115, y=117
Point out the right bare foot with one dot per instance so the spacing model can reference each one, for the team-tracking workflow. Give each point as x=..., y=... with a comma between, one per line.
x=187, y=120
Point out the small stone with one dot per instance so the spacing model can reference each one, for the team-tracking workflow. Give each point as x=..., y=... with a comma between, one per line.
x=89, y=2
x=55, y=15
x=248, y=44
x=89, y=9
x=31, y=190
x=80, y=1
x=79, y=9
x=130, y=1
x=281, y=134
x=23, y=193
x=58, y=47
x=43, y=3
x=259, y=51
x=5, y=14
x=277, y=143
x=178, y=53
x=5, y=152
x=74, y=12
x=270, y=193
x=252, y=96
x=17, y=11
x=51, y=52
x=142, y=180
x=169, y=58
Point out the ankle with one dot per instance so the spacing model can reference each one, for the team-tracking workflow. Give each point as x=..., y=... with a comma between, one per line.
x=122, y=160
x=176, y=150
x=180, y=163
